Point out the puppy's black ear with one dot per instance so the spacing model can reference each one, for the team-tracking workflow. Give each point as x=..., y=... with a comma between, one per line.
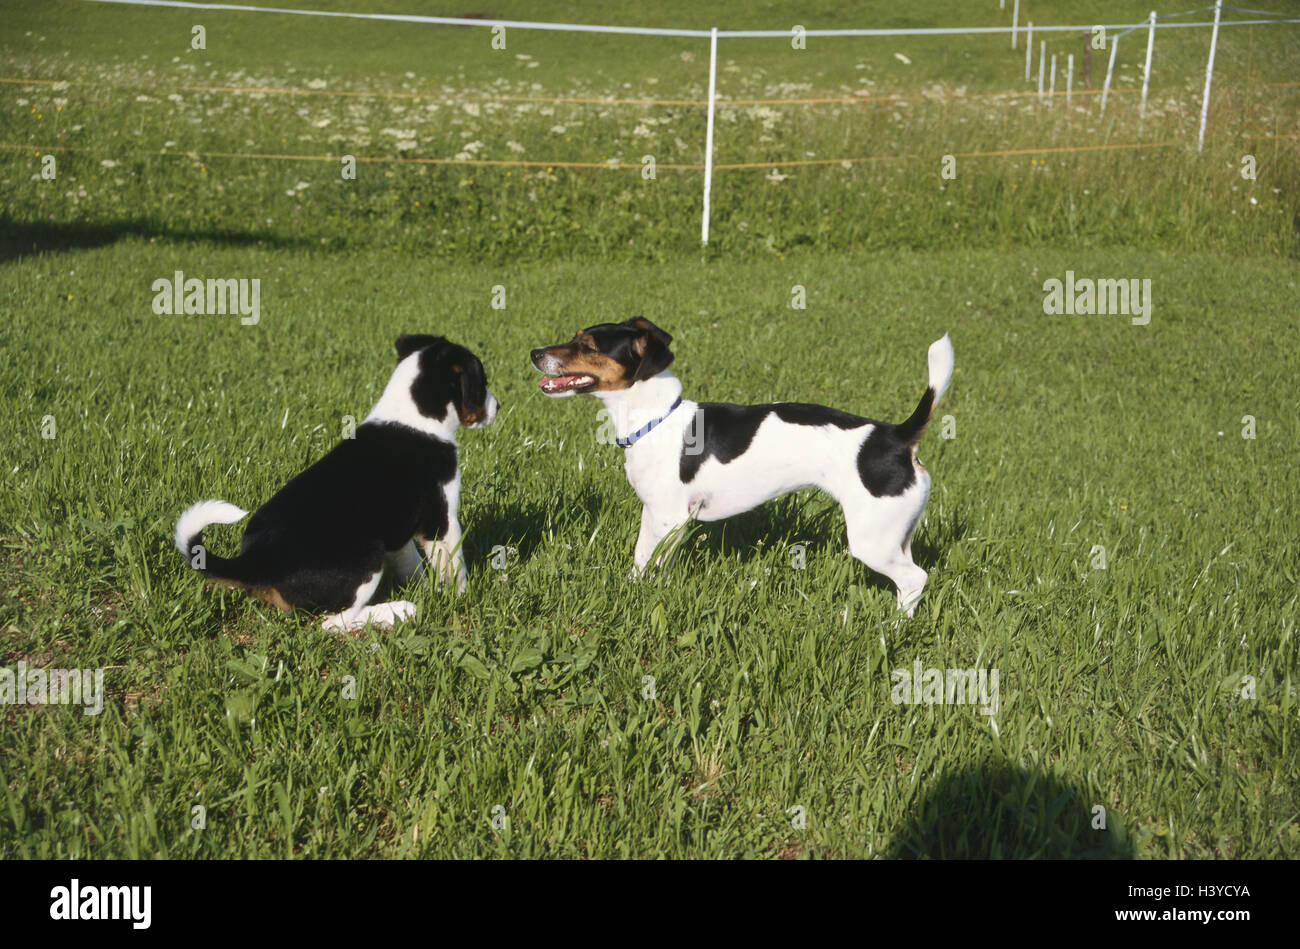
x=413, y=342
x=473, y=391
x=651, y=346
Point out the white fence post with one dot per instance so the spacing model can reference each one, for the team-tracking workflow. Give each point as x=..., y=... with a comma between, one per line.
x=1015, y=22
x=1110, y=68
x=1051, y=88
x=1042, y=62
x=708, y=135
x=1069, y=77
x=1209, y=74
x=1029, y=51
x=1146, y=70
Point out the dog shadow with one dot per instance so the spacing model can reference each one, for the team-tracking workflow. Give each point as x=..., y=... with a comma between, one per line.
x=1001, y=812
x=520, y=528
x=19, y=239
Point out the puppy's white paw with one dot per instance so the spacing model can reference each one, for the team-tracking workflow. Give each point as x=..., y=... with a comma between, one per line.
x=386, y=614
x=381, y=614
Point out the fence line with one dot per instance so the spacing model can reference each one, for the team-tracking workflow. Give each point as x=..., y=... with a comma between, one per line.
x=600, y=166
x=648, y=30
x=798, y=32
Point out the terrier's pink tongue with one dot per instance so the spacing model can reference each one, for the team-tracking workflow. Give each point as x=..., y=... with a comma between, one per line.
x=559, y=383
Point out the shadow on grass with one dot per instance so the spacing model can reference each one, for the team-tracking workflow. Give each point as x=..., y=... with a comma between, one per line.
x=26, y=239
x=1001, y=812
x=523, y=527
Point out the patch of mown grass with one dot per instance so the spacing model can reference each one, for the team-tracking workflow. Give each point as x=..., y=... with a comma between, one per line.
x=1119, y=687
x=1099, y=532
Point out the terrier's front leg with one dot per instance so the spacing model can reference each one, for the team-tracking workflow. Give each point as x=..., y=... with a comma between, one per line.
x=655, y=526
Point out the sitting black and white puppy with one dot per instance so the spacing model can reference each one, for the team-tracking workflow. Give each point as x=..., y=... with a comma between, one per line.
x=322, y=542
x=711, y=460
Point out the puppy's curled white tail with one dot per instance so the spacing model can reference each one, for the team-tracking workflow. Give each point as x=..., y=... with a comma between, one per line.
x=189, y=529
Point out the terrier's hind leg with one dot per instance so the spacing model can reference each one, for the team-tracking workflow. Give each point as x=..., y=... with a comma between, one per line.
x=884, y=552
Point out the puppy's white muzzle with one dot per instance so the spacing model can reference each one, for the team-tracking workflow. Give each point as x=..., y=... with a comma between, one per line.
x=491, y=408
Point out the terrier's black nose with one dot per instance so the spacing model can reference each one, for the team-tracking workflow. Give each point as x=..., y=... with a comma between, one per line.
x=537, y=354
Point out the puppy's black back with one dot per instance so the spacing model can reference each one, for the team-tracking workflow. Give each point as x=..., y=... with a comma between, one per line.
x=333, y=523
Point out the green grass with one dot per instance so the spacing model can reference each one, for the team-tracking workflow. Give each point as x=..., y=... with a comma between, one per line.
x=164, y=120
x=1119, y=687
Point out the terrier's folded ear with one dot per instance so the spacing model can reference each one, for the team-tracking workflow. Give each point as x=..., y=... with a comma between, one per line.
x=641, y=323
x=651, y=346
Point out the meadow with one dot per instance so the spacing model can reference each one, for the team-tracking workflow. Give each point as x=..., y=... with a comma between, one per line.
x=1111, y=526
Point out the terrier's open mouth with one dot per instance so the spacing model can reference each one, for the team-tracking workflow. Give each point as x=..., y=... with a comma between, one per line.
x=559, y=385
